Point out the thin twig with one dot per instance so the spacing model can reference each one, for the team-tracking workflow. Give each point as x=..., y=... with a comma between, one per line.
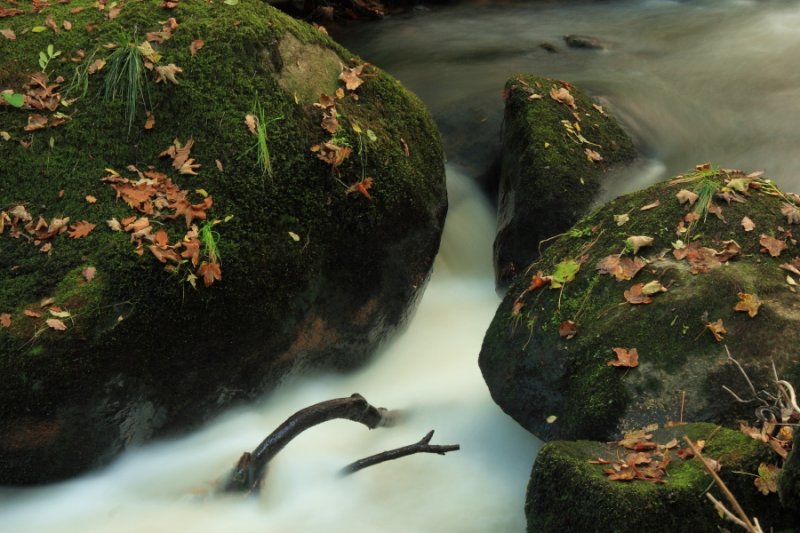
x=723, y=487
x=719, y=506
x=423, y=446
x=750, y=383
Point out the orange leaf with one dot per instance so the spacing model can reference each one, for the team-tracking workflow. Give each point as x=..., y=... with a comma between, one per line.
x=625, y=357
x=150, y=122
x=211, y=272
x=196, y=45
x=88, y=273
x=5, y=320
x=352, y=76
x=81, y=229
x=567, y=329
x=56, y=324
x=717, y=329
x=635, y=296
x=361, y=187
x=771, y=245
x=32, y=313
x=748, y=303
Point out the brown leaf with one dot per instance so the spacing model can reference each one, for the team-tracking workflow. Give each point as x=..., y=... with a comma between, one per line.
x=8, y=34
x=748, y=224
x=686, y=196
x=51, y=23
x=748, y=303
x=362, y=187
x=626, y=474
x=771, y=245
x=592, y=155
x=90, y=199
x=56, y=324
x=622, y=268
x=563, y=96
x=717, y=329
x=352, y=76
x=36, y=122
x=625, y=358
x=635, y=296
x=196, y=45
x=81, y=229
x=638, y=241
x=89, y=273
x=651, y=205
x=753, y=433
x=211, y=272
x=167, y=73
x=150, y=122
x=250, y=121
x=767, y=480
x=219, y=165
x=5, y=320
x=567, y=329
x=32, y=313
x=791, y=213
x=67, y=25
x=793, y=266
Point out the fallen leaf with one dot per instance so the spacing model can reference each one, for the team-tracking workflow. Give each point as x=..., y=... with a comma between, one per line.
x=8, y=34
x=599, y=109
x=653, y=287
x=362, y=187
x=686, y=196
x=89, y=273
x=791, y=213
x=564, y=273
x=150, y=122
x=90, y=199
x=621, y=219
x=211, y=272
x=114, y=224
x=567, y=329
x=592, y=155
x=67, y=25
x=625, y=358
x=250, y=121
x=36, y=122
x=56, y=324
x=767, y=480
x=5, y=320
x=651, y=205
x=196, y=45
x=748, y=303
x=51, y=23
x=638, y=241
x=81, y=229
x=219, y=165
x=167, y=73
x=563, y=96
x=622, y=268
x=635, y=296
x=352, y=77
x=748, y=224
x=717, y=329
x=32, y=313
x=771, y=245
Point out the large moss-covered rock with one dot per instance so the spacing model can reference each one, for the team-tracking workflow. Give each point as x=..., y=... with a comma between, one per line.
x=556, y=150
x=567, y=493
x=563, y=385
x=316, y=267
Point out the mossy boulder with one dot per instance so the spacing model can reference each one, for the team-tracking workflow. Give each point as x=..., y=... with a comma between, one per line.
x=548, y=355
x=567, y=493
x=317, y=267
x=556, y=150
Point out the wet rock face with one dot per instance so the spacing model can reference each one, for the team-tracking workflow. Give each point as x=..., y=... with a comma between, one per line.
x=558, y=354
x=557, y=145
x=101, y=346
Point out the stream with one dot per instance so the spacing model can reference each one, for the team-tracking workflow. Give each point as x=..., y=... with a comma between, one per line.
x=707, y=80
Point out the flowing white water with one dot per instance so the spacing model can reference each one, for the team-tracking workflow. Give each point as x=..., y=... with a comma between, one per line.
x=693, y=81
x=430, y=371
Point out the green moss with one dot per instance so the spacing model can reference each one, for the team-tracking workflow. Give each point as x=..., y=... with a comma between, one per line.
x=134, y=318
x=568, y=493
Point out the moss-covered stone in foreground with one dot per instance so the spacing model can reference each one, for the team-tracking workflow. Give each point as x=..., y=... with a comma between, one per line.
x=533, y=373
x=311, y=275
x=548, y=179
x=566, y=493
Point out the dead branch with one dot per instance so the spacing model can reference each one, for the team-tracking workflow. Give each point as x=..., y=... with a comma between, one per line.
x=422, y=446
x=742, y=519
x=247, y=475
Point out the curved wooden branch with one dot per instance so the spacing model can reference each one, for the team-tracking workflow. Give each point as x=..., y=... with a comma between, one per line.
x=422, y=446
x=249, y=472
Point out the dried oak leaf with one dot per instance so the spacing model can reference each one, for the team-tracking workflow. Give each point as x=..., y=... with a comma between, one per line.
x=196, y=45
x=748, y=303
x=771, y=245
x=167, y=73
x=748, y=224
x=621, y=267
x=567, y=329
x=625, y=358
x=5, y=320
x=8, y=34
x=56, y=324
x=686, y=196
x=211, y=272
x=717, y=329
x=635, y=296
x=81, y=229
x=791, y=213
x=563, y=96
x=352, y=76
x=36, y=122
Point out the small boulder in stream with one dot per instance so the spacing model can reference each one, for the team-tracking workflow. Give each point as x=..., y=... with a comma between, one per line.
x=624, y=321
x=557, y=145
x=222, y=198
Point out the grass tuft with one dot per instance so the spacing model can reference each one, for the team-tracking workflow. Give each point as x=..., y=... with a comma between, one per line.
x=125, y=77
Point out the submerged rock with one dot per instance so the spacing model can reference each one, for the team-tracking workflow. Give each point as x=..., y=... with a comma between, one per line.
x=679, y=285
x=557, y=145
x=568, y=493
x=584, y=41
x=297, y=229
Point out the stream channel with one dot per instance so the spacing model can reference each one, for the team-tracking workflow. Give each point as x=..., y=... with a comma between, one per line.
x=694, y=81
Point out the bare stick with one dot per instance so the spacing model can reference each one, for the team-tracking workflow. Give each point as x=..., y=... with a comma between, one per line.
x=422, y=446
x=719, y=506
x=746, y=377
x=249, y=472
x=723, y=487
